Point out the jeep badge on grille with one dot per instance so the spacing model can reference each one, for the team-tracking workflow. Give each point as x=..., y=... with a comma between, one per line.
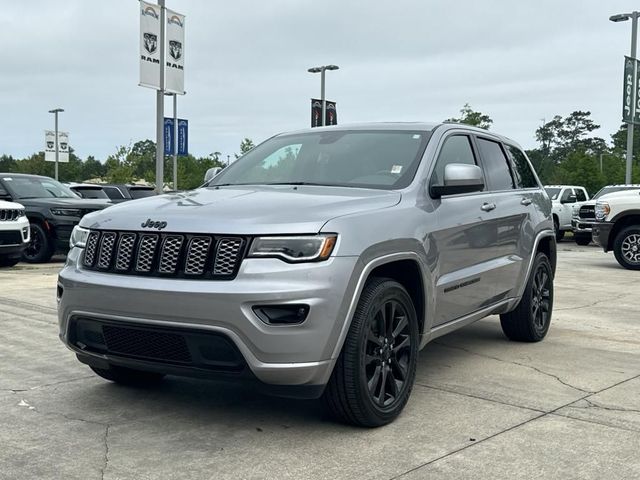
x=153, y=224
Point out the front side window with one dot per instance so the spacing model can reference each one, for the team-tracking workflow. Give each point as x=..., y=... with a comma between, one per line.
x=113, y=193
x=495, y=165
x=141, y=192
x=568, y=192
x=581, y=196
x=91, y=192
x=456, y=149
x=523, y=173
x=347, y=158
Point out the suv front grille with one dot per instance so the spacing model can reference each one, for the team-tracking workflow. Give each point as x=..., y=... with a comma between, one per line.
x=587, y=212
x=11, y=237
x=164, y=254
x=10, y=214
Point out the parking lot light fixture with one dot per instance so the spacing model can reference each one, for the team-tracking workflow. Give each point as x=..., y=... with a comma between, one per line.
x=623, y=17
x=321, y=69
x=55, y=111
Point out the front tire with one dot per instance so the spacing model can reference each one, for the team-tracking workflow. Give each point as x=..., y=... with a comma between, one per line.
x=9, y=261
x=556, y=226
x=626, y=247
x=531, y=319
x=374, y=375
x=40, y=249
x=582, y=240
x=128, y=376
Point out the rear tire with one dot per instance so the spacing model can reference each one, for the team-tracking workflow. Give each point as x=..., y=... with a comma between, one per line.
x=531, y=319
x=40, y=249
x=128, y=376
x=626, y=247
x=374, y=375
x=556, y=226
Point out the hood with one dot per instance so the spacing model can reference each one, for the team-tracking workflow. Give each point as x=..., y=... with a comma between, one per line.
x=243, y=210
x=83, y=203
x=622, y=193
x=10, y=205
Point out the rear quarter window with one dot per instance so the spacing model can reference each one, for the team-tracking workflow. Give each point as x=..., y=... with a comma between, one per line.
x=522, y=171
x=496, y=165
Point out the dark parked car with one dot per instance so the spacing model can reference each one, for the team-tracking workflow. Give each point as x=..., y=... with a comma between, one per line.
x=52, y=209
x=88, y=190
x=122, y=192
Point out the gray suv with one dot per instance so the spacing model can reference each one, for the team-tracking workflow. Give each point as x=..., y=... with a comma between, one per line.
x=317, y=265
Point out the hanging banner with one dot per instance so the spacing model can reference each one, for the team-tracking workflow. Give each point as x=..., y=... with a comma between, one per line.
x=149, y=45
x=50, y=146
x=628, y=90
x=174, y=48
x=183, y=137
x=331, y=114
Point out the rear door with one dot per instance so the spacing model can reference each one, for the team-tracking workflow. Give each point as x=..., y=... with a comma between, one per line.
x=462, y=239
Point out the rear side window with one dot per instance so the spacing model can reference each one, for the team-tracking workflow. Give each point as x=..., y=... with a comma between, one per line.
x=113, y=193
x=496, y=166
x=580, y=195
x=456, y=149
x=522, y=171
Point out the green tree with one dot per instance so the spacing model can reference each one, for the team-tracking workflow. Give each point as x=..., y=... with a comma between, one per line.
x=580, y=168
x=470, y=117
x=245, y=145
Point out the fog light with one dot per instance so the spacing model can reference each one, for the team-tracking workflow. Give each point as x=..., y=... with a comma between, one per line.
x=290, y=314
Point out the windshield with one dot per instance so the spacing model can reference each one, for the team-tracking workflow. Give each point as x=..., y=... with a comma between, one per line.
x=37, y=187
x=366, y=159
x=606, y=190
x=553, y=193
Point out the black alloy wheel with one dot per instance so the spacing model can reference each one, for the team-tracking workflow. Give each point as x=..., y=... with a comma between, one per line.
x=388, y=354
x=39, y=249
x=541, y=299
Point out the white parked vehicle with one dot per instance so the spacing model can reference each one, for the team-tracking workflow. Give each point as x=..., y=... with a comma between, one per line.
x=617, y=227
x=563, y=199
x=14, y=233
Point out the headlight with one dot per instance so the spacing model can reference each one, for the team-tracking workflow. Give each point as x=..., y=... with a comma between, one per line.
x=67, y=212
x=305, y=248
x=602, y=210
x=78, y=237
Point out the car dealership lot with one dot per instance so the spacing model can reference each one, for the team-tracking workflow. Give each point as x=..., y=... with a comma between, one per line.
x=483, y=407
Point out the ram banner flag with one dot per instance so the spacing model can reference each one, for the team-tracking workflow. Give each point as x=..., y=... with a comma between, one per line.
x=174, y=48
x=50, y=146
x=330, y=116
x=149, y=45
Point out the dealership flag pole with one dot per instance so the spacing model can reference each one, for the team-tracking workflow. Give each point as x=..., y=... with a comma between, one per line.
x=160, y=106
x=175, y=141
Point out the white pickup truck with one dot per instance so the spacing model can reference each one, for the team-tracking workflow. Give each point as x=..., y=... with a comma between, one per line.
x=563, y=198
x=617, y=227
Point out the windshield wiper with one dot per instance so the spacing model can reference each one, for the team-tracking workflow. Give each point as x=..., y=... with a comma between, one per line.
x=304, y=183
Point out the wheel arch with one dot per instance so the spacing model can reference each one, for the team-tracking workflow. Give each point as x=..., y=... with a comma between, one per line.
x=621, y=221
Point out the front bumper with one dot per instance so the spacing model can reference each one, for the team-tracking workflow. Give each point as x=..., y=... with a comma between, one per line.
x=601, y=234
x=581, y=226
x=279, y=355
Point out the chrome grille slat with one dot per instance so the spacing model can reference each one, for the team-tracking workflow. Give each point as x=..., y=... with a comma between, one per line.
x=106, y=249
x=197, y=255
x=226, y=256
x=191, y=256
x=124, y=256
x=146, y=252
x=171, y=247
x=9, y=214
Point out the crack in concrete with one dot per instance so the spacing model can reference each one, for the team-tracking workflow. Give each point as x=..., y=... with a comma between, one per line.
x=106, y=452
x=515, y=363
x=592, y=304
x=46, y=385
x=591, y=404
x=513, y=427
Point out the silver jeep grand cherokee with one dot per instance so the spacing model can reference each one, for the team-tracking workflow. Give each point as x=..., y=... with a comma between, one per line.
x=318, y=264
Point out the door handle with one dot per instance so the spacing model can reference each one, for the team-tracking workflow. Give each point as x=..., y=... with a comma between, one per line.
x=526, y=202
x=487, y=207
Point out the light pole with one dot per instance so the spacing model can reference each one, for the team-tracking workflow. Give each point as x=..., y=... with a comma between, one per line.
x=55, y=112
x=623, y=17
x=321, y=71
x=160, y=106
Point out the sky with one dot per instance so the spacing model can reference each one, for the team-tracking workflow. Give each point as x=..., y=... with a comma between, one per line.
x=246, y=67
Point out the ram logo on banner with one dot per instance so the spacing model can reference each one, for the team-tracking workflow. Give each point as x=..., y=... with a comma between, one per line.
x=331, y=115
x=50, y=146
x=149, y=45
x=174, y=48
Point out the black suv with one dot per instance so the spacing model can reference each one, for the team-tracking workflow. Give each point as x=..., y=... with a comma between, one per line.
x=52, y=209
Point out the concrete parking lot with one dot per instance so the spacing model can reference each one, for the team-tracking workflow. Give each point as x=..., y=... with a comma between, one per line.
x=482, y=408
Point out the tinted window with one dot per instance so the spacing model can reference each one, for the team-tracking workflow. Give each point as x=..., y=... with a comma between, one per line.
x=496, y=166
x=568, y=192
x=580, y=195
x=522, y=171
x=113, y=193
x=89, y=192
x=37, y=187
x=456, y=149
x=607, y=190
x=141, y=192
x=356, y=158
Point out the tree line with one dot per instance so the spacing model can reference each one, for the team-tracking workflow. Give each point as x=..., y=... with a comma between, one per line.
x=567, y=153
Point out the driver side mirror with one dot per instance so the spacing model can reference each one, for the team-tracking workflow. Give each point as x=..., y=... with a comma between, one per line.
x=459, y=178
x=569, y=199
x=212, y=172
